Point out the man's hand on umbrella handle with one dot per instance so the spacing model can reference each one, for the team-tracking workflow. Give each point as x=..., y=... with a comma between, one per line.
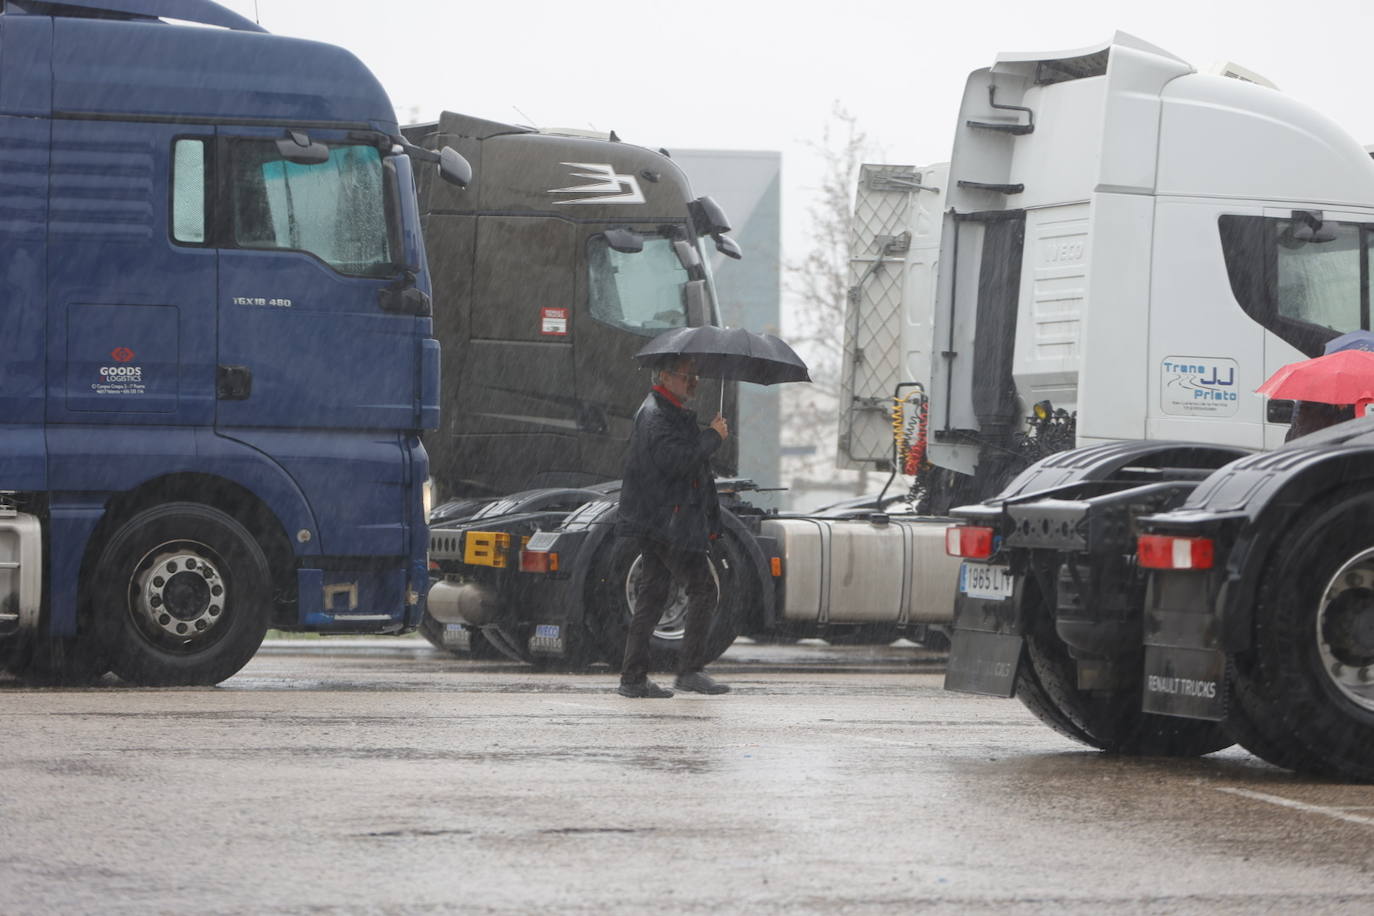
x=721, y=427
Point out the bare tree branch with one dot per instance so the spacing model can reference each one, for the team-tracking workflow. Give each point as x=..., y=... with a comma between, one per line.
x=817, y=286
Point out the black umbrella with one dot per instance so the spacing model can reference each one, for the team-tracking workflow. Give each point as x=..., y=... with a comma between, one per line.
x=727, y=353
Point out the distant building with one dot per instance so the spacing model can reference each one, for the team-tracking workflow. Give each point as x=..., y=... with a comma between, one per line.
x=747, y=183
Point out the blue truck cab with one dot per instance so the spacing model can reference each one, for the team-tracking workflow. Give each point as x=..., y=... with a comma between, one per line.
x=217, y=341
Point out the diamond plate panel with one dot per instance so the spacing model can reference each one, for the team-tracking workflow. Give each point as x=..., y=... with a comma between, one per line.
x=872, y=339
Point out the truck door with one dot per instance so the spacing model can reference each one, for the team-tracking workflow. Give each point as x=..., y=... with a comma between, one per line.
x=1302, y=275
x=319, y=356
x=131, y=284
x=519, y=414
x=304, y=338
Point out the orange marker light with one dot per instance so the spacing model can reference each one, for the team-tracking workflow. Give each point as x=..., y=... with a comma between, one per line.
x=538, y=561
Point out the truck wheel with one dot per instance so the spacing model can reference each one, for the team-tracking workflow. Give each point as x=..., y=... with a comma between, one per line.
x=1109, y=720
x=1310, y=675
x=610, y=604
x=183, y=593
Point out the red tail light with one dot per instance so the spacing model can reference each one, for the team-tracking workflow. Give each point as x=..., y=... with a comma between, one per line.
x=968, y=541
x=538, y=561
x=1162, y=551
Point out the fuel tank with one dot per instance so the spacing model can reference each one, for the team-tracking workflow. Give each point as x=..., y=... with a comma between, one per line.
x=875, y=569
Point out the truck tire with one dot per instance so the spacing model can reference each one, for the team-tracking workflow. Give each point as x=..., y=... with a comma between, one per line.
x=1109, y=720
x=1251, y=721
x=183, y=593
x=1309, y=680
x=609, y=604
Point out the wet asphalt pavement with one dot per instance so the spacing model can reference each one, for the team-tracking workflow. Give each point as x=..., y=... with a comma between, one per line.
x=374, y=776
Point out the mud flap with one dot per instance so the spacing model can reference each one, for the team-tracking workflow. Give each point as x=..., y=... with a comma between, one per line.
x=981, y=662
x=1185, y=682
x=547, y=640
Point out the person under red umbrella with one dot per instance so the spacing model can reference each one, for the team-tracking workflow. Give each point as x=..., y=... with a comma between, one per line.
x=1327, y=390
x=1310, y=416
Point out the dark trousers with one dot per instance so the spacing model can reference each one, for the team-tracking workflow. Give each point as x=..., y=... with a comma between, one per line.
x=660, y=566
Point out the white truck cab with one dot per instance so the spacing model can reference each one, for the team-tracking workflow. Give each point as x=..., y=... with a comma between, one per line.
x=1140, y=244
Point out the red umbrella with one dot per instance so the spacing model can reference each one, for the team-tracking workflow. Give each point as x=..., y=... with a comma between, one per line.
x=1343, y=377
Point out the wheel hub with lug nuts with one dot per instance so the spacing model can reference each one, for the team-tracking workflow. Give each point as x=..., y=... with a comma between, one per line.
x=1345, y=629
x=181, y=593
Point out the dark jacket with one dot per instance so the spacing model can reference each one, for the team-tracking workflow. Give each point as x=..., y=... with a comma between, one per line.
x=1310, y=416
x=669, y=492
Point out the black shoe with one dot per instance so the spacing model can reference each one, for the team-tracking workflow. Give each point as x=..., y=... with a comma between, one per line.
x=699, y=682
x=643, y=690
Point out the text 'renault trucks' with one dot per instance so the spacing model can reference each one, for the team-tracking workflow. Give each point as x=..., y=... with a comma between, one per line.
x=217, y=315
x=606, y=230
x=1146, y=244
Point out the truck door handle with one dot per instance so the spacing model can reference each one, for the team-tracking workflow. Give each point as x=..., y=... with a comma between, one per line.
x=233, y=383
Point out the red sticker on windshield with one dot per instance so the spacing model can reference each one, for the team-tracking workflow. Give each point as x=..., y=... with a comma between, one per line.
x=553, y=321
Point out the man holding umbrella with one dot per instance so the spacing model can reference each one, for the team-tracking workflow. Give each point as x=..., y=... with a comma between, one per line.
x=668, y=505
x=668, y=498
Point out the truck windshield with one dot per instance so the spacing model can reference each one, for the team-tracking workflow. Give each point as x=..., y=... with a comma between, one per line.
x=334, y=210
x=1305, y=282
x=642, y=291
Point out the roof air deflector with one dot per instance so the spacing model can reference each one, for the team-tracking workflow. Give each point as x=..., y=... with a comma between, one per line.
x=201, y=12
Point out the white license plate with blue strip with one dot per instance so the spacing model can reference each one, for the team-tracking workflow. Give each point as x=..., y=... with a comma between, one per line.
x=988, y=581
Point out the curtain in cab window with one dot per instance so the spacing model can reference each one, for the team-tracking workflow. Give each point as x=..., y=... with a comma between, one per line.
x=1319, y=282
x=335, y=210
x=641, y=291
x=1307, y=280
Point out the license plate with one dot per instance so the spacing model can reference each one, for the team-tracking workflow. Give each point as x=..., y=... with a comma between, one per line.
x=547, y=639
x=456, y=636
x=986, y=581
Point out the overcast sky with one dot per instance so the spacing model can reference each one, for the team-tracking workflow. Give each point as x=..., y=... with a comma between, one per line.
x=764, y=75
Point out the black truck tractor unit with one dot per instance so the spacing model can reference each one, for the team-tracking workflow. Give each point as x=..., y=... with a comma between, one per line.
x=1173, y=598
x=560, y=260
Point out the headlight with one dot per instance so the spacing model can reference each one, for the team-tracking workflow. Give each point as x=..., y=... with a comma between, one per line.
x=427, y=497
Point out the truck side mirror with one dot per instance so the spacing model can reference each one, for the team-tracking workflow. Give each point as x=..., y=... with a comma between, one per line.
x=625, y=241
x=687, y=254
x=729, y=247
x=708, y=216
x=698, y=309
x=297, y=147
x=454, y=167
x=1310, y=226
x=403, y=235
